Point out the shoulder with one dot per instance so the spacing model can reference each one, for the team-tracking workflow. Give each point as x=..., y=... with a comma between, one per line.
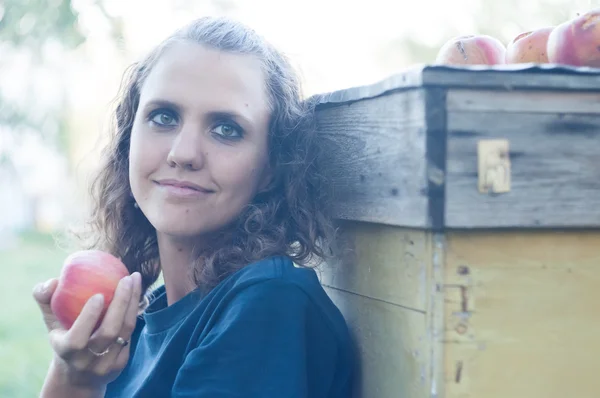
x=277, y=280
x=276, y=287
x=277, y=270
x=272, y=281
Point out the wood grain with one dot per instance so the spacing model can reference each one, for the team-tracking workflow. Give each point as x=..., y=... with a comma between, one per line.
x=436, y=315
x=384, y=263
x=555, y=168
x=391, y=347
x=523, y=101
x=497, y=77
x=436, y=121
x=522, y=315
x=508, y=80
x=376, y=159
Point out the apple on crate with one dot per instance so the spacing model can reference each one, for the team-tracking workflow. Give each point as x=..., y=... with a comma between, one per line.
x=472, y=50
x=576, y=42
x=529, y=47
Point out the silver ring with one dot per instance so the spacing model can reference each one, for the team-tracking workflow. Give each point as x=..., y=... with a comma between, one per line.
x=122, y=342
x=99, y=354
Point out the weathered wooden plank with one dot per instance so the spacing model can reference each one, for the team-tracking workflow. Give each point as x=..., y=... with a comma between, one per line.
x=407, y=80
x=436, y=315
x=523, y=101
x=384, y=263
x=391, y=344
x=435, y=116
x=522, y=314
x=499, y=77
x=555, y=171
x=506, y=77
x=376, y=159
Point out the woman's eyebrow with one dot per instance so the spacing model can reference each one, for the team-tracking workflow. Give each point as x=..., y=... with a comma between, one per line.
x=162, y=103
x=220, y=115
x=212, y=115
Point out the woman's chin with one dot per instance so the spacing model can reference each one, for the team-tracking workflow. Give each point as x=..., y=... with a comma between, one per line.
x=184, y=226
x=180, y=229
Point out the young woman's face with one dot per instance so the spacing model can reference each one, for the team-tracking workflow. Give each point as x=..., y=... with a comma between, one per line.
x=199, y=142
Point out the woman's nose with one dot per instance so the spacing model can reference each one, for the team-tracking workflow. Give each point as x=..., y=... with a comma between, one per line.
x=186, y=151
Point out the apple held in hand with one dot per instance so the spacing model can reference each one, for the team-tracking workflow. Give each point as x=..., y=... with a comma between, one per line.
x=472, y=50
x=84, y=274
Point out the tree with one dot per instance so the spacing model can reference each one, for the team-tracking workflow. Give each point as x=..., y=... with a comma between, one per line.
x=31, y=33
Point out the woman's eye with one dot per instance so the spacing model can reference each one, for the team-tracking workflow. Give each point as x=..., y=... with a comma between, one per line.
x=163, y=119
x=227, y=131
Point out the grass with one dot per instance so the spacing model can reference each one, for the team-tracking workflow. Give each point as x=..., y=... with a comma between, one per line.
x=24, y=346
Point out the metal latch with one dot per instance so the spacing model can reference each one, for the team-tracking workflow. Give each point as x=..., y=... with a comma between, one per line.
x=493, y=166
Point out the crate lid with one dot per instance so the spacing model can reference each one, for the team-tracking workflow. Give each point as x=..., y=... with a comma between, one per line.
x=503, y=77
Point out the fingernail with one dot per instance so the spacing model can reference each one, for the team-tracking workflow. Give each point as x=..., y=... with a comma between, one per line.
x=97, y=300
x=46, y=285
x=127, y=281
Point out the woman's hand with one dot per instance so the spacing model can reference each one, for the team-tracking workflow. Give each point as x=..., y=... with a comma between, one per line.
x=84, y=359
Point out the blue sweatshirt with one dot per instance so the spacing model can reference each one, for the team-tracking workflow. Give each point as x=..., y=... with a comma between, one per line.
x=268, y=330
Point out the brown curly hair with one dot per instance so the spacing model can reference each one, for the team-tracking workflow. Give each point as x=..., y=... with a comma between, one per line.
x=290, y=218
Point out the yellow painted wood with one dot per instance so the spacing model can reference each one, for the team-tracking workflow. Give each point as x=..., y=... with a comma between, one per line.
x=477, y=314
x=381, y=285
x=391, y=344
x=522, y=315
x=435, y=316
x=383, y=262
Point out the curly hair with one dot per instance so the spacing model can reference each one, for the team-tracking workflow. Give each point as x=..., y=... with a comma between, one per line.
x=290, y=218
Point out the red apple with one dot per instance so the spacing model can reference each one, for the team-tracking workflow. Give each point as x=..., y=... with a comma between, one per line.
x=529, y=47
x=472, y=50
x=576, y=42
x=84, y=274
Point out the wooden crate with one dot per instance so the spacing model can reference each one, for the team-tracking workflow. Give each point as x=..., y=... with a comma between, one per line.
x=469, y=199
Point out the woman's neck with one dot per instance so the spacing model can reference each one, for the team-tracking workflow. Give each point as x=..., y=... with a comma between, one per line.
x=176, y=264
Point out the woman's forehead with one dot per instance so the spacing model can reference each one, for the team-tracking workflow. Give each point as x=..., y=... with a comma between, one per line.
x=191, y=73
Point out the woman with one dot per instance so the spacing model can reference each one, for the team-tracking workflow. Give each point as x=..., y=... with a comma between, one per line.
x=212, y=178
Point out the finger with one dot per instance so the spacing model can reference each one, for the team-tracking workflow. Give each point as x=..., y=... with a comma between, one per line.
x=42, y=294
x=119, y=354
x=132, y=312
x=58, y=344
x=122, y=357
x=77, y=337
x=111, y=325
x=76, y=356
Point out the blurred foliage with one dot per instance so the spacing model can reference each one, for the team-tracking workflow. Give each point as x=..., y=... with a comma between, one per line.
x=32, y=23
x=220, y=6
x=29, y=27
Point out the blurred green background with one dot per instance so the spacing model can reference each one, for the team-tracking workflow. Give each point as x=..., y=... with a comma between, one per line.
x=61, y=63
x=24, y=348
